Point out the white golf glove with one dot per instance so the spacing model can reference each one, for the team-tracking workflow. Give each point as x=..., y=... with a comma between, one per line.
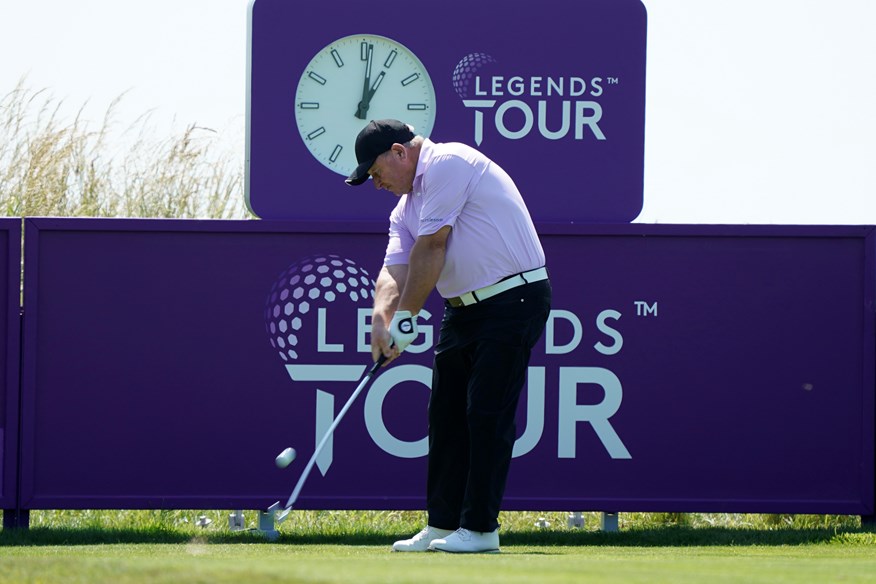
x=403, y=329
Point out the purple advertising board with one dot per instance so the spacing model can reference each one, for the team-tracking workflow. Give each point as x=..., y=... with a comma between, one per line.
x=552, y=90
x=10, y=338
x=683, y=368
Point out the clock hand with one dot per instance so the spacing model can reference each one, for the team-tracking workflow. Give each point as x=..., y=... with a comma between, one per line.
x=366, y=100
x=376, y=85
x=362, y=109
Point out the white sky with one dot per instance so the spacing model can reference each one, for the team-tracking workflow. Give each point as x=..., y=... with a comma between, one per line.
x=759, y=111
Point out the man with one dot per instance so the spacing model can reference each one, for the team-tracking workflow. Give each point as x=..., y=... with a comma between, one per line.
x=461, y=226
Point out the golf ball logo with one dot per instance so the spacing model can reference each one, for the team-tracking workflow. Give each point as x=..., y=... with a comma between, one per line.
x=465, y=71
x=305, y=286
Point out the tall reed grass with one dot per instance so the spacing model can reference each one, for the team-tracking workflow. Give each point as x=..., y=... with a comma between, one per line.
x=54, y=165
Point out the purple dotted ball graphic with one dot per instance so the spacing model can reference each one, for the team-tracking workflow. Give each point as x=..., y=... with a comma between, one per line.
x=466, y=70
x=305, y=286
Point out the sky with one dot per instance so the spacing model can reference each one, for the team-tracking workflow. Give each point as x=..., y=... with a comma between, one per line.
x=758, y=111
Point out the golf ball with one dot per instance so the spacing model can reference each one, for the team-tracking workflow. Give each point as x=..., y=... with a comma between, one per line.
x=285, y=458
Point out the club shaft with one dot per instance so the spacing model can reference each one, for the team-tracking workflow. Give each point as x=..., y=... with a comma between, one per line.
x=298, y=486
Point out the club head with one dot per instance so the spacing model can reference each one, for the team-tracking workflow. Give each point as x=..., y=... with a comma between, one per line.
x=281, y=516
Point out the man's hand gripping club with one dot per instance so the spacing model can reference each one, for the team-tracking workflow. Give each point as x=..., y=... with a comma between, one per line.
x=393, y=341
x=403, y=329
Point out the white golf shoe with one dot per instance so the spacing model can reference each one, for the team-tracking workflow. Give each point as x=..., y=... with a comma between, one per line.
x=421, y=541
x=463, y=541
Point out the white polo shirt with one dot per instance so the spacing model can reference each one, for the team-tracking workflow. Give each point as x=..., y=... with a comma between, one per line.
x=491, y=236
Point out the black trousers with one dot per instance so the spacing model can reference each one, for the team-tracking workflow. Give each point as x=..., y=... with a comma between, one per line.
x=479, y=371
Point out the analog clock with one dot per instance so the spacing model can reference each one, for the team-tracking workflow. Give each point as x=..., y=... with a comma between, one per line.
x=352, y=81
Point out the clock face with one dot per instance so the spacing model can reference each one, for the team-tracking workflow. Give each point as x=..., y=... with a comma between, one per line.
x=352, y=81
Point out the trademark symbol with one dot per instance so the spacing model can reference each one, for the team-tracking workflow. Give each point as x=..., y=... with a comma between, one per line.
x=645, y=309
x=613, y=81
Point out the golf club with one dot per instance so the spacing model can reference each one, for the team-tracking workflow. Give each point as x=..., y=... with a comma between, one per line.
x=281, y=516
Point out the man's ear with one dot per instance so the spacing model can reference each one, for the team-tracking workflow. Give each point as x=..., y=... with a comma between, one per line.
x=399, y=150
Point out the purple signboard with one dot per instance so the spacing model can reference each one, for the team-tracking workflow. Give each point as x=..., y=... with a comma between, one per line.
x=10, y=337
x=552, y=90
x=683, y=368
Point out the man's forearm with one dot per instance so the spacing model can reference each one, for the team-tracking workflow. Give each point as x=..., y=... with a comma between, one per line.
x=387, y=291
x=426, y=262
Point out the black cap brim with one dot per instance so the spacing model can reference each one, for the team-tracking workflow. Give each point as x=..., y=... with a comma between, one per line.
x=360, y=175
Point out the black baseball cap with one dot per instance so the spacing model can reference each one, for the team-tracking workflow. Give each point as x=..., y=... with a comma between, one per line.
x=375, y=139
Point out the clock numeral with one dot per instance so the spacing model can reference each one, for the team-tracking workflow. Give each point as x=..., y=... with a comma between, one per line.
x=390, y=59
x=308, y=105
x=368, y=61
x=319, y=79
x=337, y=57
x=335, y=153
x=410, y=79
x=316, y=133
x=417, y=107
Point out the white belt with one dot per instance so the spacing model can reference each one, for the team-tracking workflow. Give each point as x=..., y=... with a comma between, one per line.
x=482, y=294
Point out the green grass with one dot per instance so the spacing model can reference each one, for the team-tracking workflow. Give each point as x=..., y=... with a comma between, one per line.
x=353, y=546
x=380, y=521
x=251, y=560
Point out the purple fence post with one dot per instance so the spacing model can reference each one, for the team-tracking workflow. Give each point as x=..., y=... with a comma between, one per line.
x=869, y=519
x=10, y=329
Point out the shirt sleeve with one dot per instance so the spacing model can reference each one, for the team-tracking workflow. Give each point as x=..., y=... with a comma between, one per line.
x=401, y=240
x=446, y=188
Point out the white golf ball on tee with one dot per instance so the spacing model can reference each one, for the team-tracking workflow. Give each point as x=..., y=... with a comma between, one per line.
x=285, y=458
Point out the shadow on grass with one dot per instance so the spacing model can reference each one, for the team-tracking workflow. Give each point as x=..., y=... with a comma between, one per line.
x=670, y=536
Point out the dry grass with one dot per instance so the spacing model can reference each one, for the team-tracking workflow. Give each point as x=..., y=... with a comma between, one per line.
x=51, y=166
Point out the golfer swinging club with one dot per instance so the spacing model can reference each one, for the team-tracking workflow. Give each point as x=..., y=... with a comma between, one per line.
x=460, y=225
